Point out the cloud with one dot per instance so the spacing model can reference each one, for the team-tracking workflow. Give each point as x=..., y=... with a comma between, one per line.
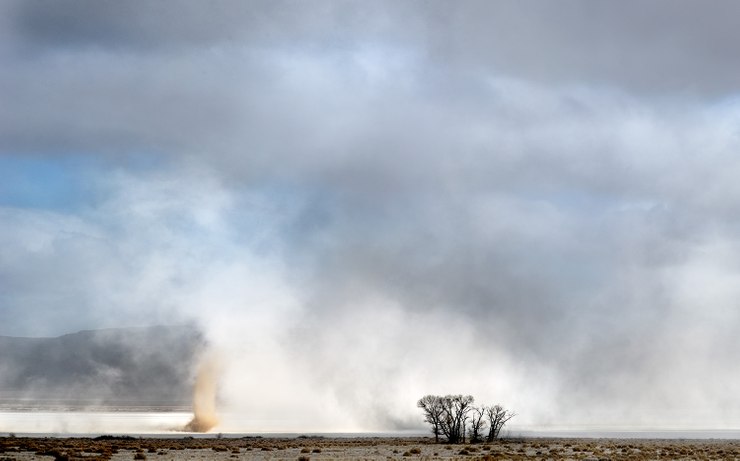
x=358, y=203
x=655, y=47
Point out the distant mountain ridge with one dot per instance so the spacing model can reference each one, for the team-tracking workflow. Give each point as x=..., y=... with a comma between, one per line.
x=123, y=368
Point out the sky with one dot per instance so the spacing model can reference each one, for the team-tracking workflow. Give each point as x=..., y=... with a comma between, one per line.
x=361, y=203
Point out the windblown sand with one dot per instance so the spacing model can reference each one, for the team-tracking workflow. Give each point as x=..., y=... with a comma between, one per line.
x=307, y=448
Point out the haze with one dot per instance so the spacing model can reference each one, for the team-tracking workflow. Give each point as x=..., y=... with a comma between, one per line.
x=360, y=203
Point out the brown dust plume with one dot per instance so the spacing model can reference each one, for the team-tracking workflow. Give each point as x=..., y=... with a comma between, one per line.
x=204, y=395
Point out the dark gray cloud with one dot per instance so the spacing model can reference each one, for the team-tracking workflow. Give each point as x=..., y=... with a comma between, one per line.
x=173, y=27
x=530, y=201
x=652, y=47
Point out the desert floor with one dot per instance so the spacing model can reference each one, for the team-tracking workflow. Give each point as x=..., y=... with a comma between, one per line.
x=317, y=448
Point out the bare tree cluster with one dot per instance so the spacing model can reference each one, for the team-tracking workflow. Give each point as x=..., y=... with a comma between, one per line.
x=455, y=418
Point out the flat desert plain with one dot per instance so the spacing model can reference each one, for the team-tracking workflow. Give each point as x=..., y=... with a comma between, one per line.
x=317, y=448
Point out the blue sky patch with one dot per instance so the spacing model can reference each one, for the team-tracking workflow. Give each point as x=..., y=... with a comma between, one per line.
x=56, y=183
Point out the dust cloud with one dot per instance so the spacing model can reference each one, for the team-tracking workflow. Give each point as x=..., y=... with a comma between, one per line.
x=205, y=417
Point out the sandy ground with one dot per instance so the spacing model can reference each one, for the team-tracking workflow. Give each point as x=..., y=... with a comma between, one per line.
x=228, y=449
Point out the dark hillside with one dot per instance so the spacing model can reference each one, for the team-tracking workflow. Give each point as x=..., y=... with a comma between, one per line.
x=125, y=367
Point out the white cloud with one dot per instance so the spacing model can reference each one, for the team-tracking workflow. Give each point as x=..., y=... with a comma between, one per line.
x=349, y=219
